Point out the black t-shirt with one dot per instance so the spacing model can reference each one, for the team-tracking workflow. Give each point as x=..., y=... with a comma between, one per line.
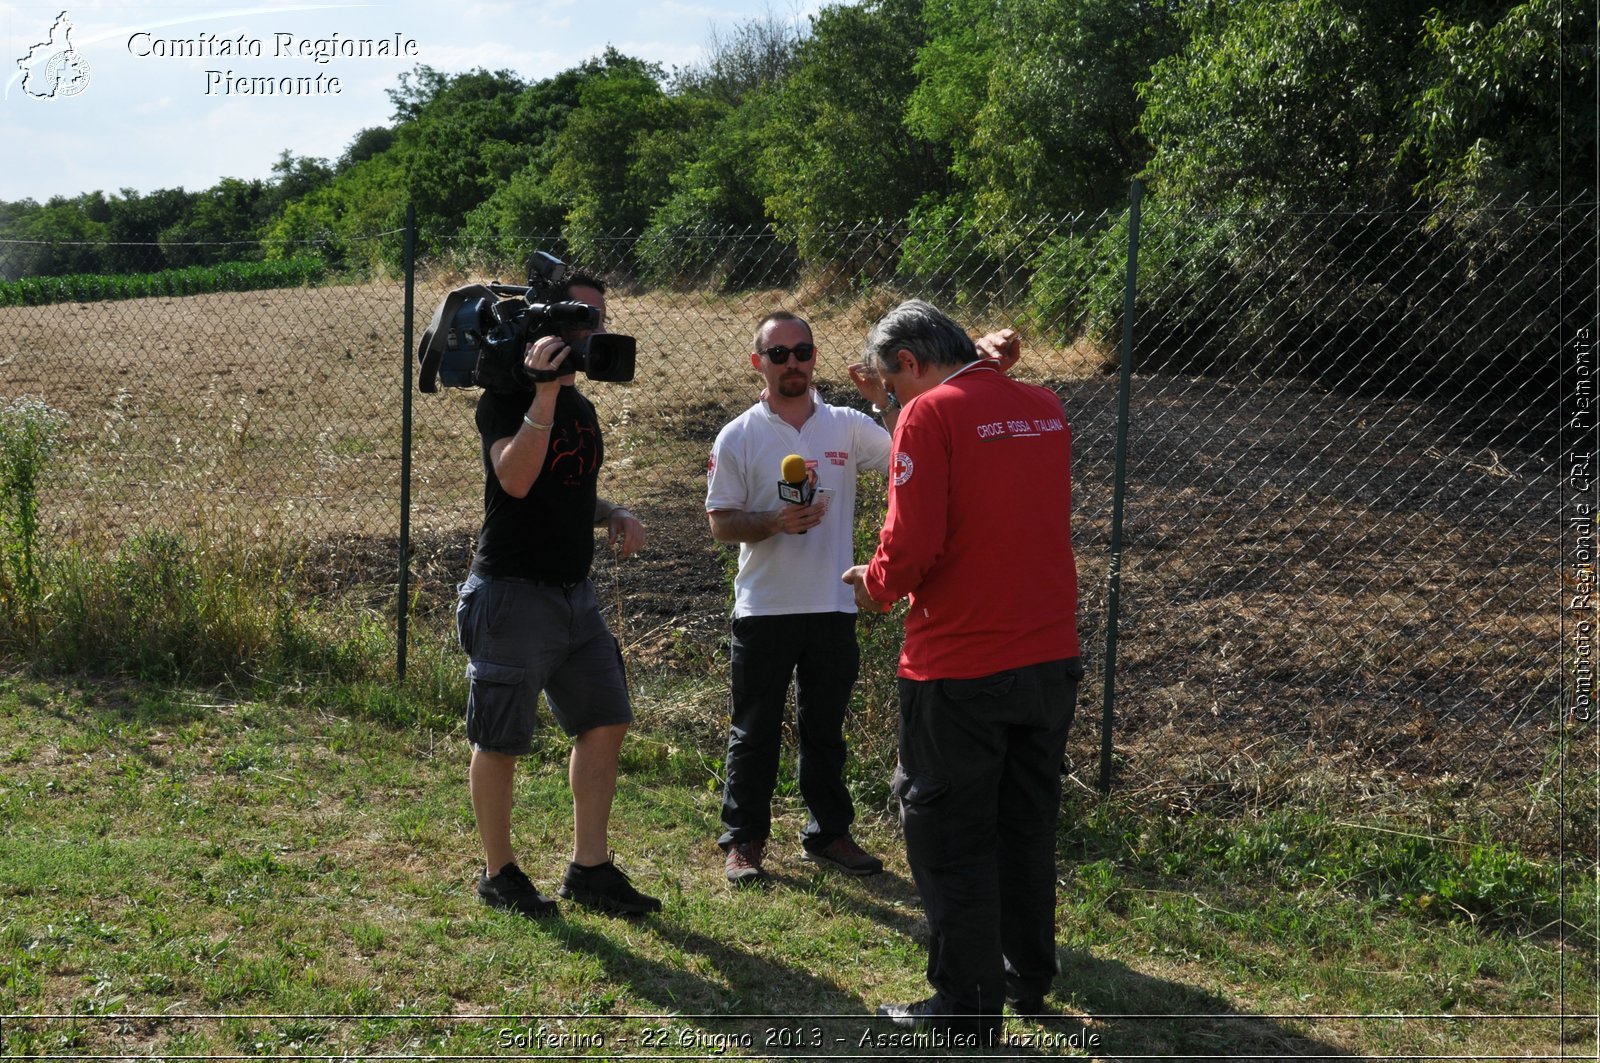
x=549, y=534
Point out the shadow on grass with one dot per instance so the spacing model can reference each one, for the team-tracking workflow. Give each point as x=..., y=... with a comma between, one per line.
x=1139, y=1016
x=105, y=709
x=740, y=1000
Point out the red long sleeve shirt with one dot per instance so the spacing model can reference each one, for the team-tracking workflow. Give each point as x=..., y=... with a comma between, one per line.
x=979, y=529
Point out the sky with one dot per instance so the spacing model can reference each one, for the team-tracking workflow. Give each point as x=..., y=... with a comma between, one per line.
x=114, y=95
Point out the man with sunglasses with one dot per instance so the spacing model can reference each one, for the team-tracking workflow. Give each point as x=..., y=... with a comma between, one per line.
x=792, y=618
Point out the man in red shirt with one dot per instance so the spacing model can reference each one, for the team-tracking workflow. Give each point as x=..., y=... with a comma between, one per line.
x=979, y=535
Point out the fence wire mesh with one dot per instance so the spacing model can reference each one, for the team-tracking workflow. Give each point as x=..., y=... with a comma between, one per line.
x=1341, y=561
x=1343, y=545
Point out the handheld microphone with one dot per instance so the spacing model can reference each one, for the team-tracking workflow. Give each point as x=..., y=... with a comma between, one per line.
x=795, y=485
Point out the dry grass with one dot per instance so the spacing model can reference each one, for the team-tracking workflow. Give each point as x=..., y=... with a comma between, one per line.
x=284, y=407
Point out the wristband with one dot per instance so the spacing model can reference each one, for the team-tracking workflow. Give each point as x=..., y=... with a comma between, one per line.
x=535, y=425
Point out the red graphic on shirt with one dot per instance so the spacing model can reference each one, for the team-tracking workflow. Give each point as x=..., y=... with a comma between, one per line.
x=837, y=457
x=573, y=453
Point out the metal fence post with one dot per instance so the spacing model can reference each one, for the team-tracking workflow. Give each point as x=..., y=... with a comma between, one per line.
x=1120, y=481
x=403, y=595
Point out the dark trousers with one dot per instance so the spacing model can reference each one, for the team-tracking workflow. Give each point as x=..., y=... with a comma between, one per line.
x=979, y=783
x=819, y=651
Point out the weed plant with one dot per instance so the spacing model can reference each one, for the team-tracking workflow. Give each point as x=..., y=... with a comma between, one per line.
x=29, y=433
x=874, y=727
x=200, y=607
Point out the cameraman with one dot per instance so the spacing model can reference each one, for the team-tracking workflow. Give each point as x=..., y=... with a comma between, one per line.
x=529, y=620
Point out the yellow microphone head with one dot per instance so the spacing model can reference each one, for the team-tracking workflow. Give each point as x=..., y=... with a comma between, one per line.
x=794, y=468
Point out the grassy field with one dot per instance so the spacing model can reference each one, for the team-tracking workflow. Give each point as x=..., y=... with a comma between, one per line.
x=1337, y=830
x=287, y=871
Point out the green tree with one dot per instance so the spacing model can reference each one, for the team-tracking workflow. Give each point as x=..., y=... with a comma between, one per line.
x=222, y=226
x=531, y=206
x=723, y=184
x=953, y=70
x=1296, y=101
x=337, y=220
x=613, y=158
x=295, y=176
x=712, y=228
x=371, y=141
x=1058, y=131
x=1506, y=103
x=458, y=140
x=837, y=153
x=135, y=226
x=752, y=57
x=61, y=237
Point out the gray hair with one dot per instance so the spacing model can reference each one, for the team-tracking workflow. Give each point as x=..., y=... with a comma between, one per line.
x=922, y=329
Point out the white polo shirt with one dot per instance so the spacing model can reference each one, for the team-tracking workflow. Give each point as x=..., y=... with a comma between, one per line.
x=794, y=573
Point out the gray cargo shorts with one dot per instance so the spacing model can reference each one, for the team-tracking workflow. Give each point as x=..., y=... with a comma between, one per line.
x=523, y=637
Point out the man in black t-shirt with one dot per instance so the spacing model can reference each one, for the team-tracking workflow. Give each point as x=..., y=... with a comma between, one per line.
x=530, y=622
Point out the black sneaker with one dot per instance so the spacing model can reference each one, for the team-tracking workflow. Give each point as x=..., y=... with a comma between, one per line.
x=935, y=1014
x=605, y=888
x=511, y=889
x=1028, y=1005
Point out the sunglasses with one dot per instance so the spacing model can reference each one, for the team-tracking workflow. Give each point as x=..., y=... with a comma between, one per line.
x=780, y=355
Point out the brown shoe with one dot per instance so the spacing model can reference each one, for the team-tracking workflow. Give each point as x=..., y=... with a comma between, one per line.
x=845, y=855
x=744, y=863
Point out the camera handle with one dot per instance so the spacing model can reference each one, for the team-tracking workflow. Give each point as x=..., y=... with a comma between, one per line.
x=431, y=348
x=520, y=291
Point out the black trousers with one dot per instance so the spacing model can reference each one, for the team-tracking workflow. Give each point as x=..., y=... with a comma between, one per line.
x=819, y=651
x=979, y=783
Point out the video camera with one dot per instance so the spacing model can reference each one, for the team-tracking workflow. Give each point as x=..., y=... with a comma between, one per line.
x=479, y=334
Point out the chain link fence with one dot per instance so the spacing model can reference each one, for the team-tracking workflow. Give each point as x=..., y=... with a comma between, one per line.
x=1343, y=539
x=1341, y=563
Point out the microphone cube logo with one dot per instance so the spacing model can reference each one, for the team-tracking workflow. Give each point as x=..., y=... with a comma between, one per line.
x=53, y=68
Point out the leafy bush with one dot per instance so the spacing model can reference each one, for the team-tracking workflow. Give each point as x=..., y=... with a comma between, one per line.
x=945, y=256
x=1075, y=287
x=680, y=251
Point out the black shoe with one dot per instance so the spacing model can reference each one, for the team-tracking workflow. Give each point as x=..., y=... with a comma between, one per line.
x=606, y=889
x=934, y=1014
x=511, y=889
x=1028, y=1006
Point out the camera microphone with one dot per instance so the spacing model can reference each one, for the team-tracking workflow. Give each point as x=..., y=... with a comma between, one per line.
x=795, y=485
